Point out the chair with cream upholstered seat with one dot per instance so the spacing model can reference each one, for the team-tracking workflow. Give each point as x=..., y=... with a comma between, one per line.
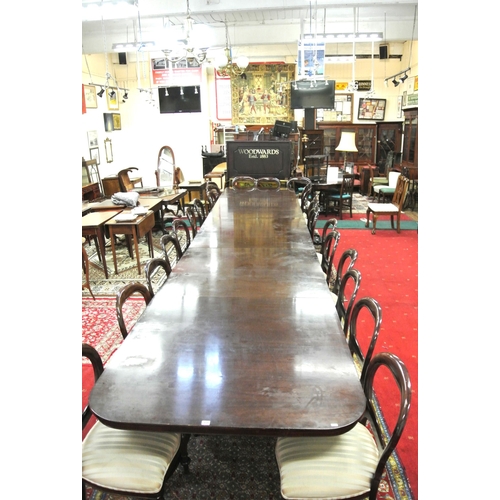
x=127, y=462
x=387, y=190
x=393, y=209
x=348, y=465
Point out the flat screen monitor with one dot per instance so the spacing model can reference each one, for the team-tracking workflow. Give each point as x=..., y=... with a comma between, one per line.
x=318, y=94
x=175, y=102
x=281, y=129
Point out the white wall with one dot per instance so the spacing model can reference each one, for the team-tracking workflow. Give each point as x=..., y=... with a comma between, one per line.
x=144, y=130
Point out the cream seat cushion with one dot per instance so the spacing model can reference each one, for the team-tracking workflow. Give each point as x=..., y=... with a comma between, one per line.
x=383, y=207
x=327, y=468
x=131, y=461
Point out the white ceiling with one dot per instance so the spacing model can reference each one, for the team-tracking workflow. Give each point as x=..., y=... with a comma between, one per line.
x=269, y=22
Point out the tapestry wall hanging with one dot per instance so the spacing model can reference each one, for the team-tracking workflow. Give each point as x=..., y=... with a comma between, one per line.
x=262, y=96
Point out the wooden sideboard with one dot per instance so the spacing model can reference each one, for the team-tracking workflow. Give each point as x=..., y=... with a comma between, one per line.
x=91, y=191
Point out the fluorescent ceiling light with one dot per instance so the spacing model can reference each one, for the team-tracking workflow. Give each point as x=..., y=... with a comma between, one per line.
x=93, y=10
x=371, y=36
x=133, y=46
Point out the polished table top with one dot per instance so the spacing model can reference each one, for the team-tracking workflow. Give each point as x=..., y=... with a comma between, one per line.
x=243, y=338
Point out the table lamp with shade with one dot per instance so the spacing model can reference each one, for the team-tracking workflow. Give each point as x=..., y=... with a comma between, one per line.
x=347, y=144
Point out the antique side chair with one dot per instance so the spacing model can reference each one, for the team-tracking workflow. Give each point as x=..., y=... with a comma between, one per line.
x=121, y=297
x=349, y=465
x=125, y=462
x=393, y=209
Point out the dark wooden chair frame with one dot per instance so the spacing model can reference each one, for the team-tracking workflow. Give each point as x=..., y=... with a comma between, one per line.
x=343, y=198
x=181, y=456
x=343, y=311
x=243, y=183
x=269, y=183
x=373, y=307
x=351, y=254
x=152, y=267
x=171, y=238
x=121, y=297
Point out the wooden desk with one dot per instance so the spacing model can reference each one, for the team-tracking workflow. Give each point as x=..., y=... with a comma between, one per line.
x=93, y=225
x=139, y=227
x=196, y=187
x=243, y=338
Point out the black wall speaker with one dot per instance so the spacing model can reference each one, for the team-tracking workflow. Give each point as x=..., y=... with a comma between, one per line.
x=382, y=51
x=122, y=57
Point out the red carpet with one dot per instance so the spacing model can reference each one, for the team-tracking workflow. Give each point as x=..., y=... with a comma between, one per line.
x=388, y=263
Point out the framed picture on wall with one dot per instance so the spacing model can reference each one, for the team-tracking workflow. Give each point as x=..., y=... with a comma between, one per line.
x=371, y=109
x=400, y=106
x=112, y=98
x=90, y=96
x=117, y=121
x=92, y=138
x=94, y=155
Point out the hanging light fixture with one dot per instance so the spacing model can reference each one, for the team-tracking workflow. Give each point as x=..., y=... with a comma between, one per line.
x=101, y=92
x=187, y=47
x=225, y=64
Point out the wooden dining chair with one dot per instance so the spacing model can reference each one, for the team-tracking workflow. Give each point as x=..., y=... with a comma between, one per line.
x=125, y=462
x=340, y=200
x=192, y=219
x=170, y=243
x=335, y=278
x=269, y=183
x=181, y=230
x=199, y=207
x=392, y=209
x=243, y=183
x=328, y=248
x=349, y=465
x=330, y=225
x=157, y=271
x=372, y=308
x=349, y=285
x=122, y=296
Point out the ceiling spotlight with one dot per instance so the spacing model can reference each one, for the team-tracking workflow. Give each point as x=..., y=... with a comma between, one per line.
x=403, y=78
x=101, y=92
x=396, y=83
x=125, y=96
x=112, y=94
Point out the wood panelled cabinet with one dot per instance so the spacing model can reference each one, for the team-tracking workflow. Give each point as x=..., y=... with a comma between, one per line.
x=366, y=139
x=410, y=141
x=389, y=139
x=311, y=143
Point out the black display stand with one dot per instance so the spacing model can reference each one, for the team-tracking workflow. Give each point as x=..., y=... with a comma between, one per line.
x=259, y=158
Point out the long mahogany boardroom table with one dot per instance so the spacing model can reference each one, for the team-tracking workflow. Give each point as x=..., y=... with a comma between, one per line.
x=243, y=338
